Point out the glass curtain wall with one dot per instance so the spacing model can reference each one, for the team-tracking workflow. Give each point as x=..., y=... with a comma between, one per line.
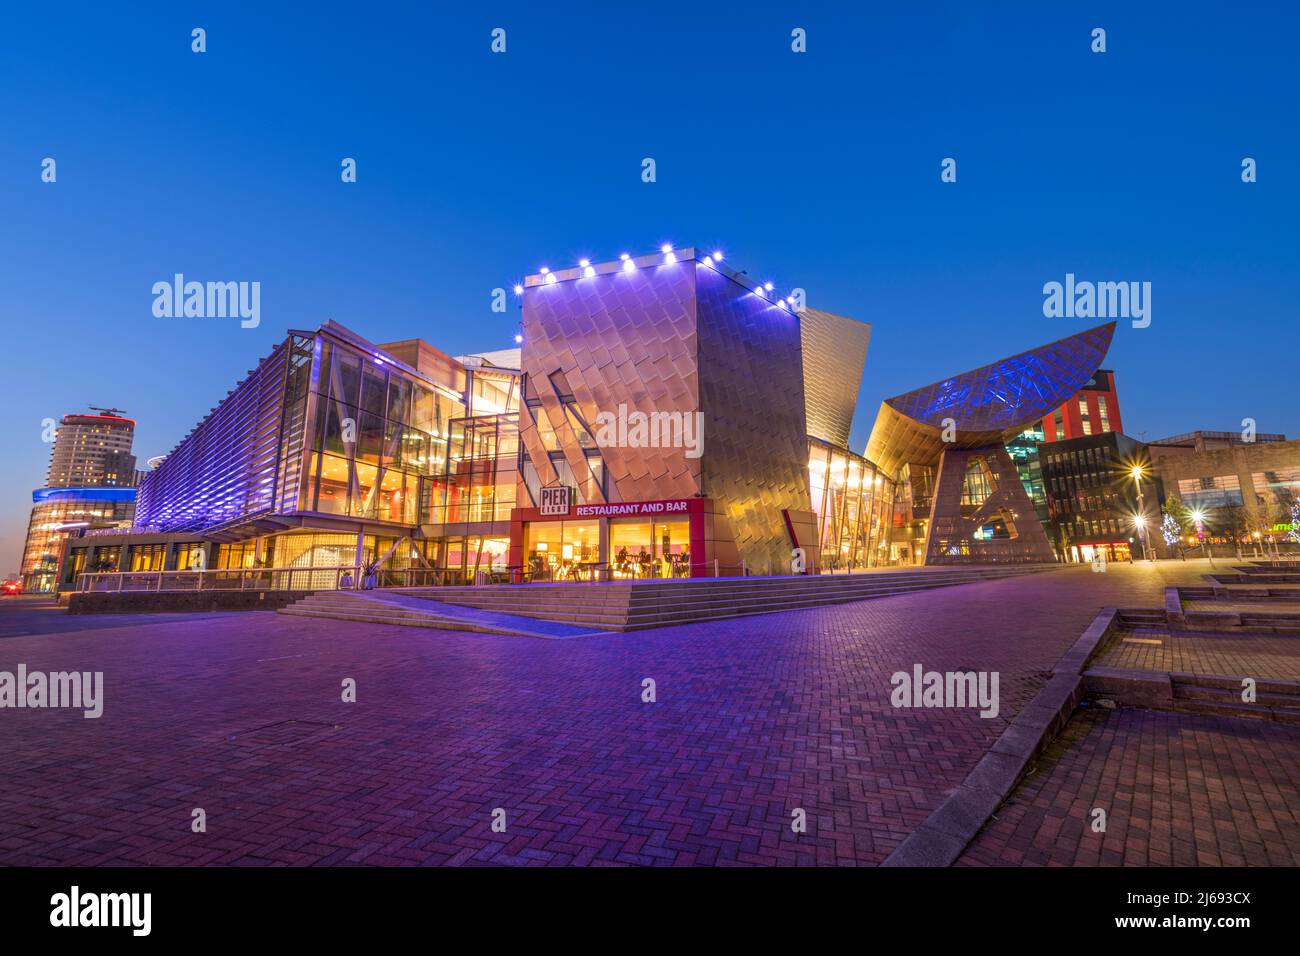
x=379, y=432
x=854, y=505
x=479, y=478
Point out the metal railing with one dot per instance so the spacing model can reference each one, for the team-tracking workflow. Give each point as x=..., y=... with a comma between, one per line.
x=341, y=577
x=351, y=577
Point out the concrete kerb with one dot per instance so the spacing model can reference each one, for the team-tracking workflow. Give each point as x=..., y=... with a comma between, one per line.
x=1174, y=609
x=940, y=840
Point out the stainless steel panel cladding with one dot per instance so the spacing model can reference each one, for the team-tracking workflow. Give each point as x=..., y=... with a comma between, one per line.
x=834, y=356
x=683, y=339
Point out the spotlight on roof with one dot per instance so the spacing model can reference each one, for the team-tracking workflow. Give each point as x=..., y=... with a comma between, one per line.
x=766, y=285
x=669, y=255
x=717, y=255
x=519, y=290
x=708, y=261
x=519, y=339
x=666, y=248
x=587, y=269
x=761, y=291
x=628, y=264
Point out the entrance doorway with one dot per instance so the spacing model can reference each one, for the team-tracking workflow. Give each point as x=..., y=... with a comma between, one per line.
x=562, y=550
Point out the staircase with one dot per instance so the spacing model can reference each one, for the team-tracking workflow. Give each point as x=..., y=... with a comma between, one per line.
x=636, y=605
x=1208, y=694
x=372, y=607
x=1142, y=619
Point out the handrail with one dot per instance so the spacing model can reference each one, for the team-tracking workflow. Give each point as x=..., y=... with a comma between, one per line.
x=334, y=577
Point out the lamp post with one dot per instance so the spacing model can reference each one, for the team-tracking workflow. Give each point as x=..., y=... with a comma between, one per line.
x=1198, y=517
x=1140, y=522
x=1141, y=519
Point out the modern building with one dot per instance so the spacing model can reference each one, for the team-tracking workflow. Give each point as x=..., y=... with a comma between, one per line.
x=93, y=451
x=1245, y=493
x=1092, y=410
x=1192, y=442
x=332, y=452
x=90, y=485
x=672, y=408
x=665, y=432
x=1093, y=485
x=666, y=415
x=960, y=491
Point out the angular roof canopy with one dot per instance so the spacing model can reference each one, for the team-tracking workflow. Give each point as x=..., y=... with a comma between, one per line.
x=987, y=405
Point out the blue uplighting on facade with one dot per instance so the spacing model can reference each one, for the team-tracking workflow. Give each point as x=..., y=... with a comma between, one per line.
x=83, y=494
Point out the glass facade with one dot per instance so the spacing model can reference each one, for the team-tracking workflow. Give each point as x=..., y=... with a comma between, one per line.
x=649, y=547
x=854, y=504
x=57, y=513
x=561, y=550
x=1281, y=486
x=479, y=479
x=1219, y=491
x=379, y=431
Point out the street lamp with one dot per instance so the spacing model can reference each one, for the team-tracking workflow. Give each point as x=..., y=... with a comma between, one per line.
x=1140, y=520
x=1198, y=518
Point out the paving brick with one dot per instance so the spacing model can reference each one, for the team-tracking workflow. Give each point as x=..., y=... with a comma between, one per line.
x=755, y=718
x=1203, y=768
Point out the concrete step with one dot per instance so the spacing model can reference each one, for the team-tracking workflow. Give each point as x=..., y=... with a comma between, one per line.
x=751, y=587
x=1135, y=618
x=371, y=618
x=688, y=604
x=1278, y=622
x=1221, y=695
x=636, y=605
x=1287, y=715
x=754, y=585
x=372, y=606
x=1225, y=695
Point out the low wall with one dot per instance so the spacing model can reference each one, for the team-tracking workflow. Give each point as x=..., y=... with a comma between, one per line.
x=138, y=602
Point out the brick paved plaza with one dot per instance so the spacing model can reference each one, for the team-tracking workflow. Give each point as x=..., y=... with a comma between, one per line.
x=1255, y=655
x=1178, y=789
x=240, y=714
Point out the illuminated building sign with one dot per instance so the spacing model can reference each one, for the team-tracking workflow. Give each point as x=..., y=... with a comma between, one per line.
x=555, y=501
x=634, y=508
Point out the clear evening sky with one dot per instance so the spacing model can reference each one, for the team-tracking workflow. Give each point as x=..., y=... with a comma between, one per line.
x=819, y=170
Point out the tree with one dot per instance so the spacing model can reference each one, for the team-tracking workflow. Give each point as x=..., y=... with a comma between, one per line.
x=1236, y=522
x=1262, y=518
x=1267, y=513
x=1174, y=523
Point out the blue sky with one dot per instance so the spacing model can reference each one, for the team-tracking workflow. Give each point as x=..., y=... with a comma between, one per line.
x=818, y=170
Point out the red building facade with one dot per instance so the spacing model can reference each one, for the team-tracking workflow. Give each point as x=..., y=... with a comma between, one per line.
x=1093, y=410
